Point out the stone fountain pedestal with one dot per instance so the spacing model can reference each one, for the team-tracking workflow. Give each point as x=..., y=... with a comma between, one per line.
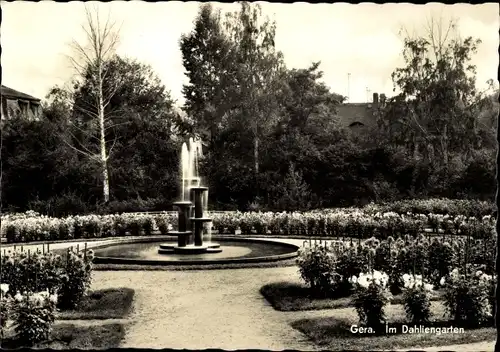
x=190, y=227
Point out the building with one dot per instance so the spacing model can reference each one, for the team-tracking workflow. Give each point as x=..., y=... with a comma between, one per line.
x=15, y=104
x=361, y=116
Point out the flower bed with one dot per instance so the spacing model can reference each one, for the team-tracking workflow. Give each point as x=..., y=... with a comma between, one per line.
x=31, y=226
x=34, y=284
x=328, y=268
x=352, y=222
x=444, y=206
x=371, y=272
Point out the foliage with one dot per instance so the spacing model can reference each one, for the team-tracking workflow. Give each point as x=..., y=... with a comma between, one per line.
x=206, y=57
x=435, y=111
x=442, y=206
x=317, y=268
x=42, y=228
x=5, y=306
x=467, y=296
x=370, y=298
x=76, y=279
x=417, y=299
x=34, y=315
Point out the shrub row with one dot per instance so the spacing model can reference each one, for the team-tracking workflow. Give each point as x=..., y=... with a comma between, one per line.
x=351, y=223
x=33, y=227
x=467, y=207
x=374, y=270
x=341, y=223
x=326, y=268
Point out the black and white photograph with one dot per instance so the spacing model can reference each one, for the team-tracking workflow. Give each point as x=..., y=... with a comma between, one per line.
x=249, y=175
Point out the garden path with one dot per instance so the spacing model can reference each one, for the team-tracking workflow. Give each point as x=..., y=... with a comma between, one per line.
x=486, y=346
x=213, y=308
x=205, y=309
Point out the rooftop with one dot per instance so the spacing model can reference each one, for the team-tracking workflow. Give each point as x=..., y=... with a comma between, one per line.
x=14, y=94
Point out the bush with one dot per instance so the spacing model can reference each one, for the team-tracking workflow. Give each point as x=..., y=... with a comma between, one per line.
x=416, y=296
x=441, y=259
x=371, y=298
x=467, y=296
x=352, y=260
x=68, y=277
x=76, y=279
x=5, y=304
x=34, y=314
x=317, y=268
x=62, y=205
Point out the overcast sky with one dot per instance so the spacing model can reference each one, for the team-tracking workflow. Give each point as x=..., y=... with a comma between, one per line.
x=358, y=39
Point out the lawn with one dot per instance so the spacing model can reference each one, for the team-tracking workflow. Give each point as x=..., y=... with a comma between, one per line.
x=112, y=303
x=69, y=336
x=334, y=332
x=286, y=297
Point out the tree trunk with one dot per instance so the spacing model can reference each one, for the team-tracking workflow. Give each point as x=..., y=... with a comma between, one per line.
x=104, y=157
x=256, y=153
x=444, y=146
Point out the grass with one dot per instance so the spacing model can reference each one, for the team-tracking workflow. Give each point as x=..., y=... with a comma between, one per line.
x=334, y=333
x=68, y=336
x=112, y=303
x=286, y=297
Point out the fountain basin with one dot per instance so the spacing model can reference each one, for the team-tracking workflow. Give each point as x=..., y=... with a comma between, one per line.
x=232, y=250
x=185, y=203
x=201, y=219
x=190, y=249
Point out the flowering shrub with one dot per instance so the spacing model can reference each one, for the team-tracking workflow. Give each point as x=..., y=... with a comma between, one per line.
x=371, y=298
x=467, y=296
x=76, y=279
x=40, y=227
x=352, y=259
x=372, y=221
x=436, y=205
x=416, y=295
x=317, y=268
x=441, y=259
x=4, y=307
x=31, y=272
x=34, y=314
x=69, y=277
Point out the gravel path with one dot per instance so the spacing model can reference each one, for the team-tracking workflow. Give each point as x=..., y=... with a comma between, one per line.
x=471, y=347
x=220, y=309
x=205, y=309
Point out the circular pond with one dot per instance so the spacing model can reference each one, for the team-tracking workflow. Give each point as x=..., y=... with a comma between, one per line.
x=234, y=250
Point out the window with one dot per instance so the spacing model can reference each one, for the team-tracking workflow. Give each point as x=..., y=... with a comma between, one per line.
x=356, y=124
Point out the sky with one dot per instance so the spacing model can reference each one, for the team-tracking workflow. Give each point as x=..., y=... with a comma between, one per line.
x=360, y=40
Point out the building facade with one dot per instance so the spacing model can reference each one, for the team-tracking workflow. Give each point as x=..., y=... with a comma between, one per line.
x=361, y=116
x=15, y=104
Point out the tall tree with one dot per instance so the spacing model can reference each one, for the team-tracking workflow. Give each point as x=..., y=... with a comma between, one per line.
x=90, y=63
x=437, y=106
x=206, y=59
x=306, y=97
x=259, y=68
x=142, y=123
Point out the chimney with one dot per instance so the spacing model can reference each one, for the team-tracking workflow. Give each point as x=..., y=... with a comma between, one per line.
x=375, y=98
x=382, y=98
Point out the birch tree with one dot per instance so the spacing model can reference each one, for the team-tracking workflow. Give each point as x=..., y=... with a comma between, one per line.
x=91, y=64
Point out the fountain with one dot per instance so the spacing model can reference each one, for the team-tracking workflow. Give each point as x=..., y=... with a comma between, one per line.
x=191, y=208
x=194, y=246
